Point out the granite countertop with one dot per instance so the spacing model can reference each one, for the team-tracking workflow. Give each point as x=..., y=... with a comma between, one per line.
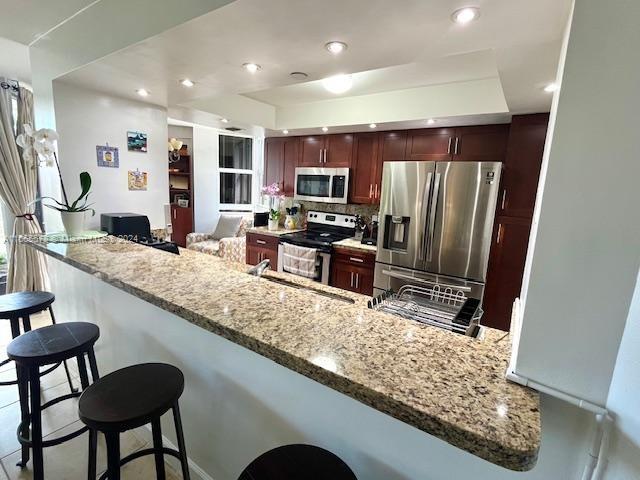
x=447, y=385
x=274, y=233
x=353, y=244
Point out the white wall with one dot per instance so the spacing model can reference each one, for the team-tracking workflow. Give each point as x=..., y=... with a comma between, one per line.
x=583, y=265
x=238, y=404
x=85, y=119
x=14, y=61
x=624, y=458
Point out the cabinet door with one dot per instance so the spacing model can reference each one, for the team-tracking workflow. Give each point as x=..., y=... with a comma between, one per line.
x=342, y=276
x=481, y=143
x=506, y=268
x=253, y=255
x=256, y=255
x=339, y=149
x=364, y=168
x=273, y=161
x=364, y=281
x=291, y=152
x=430, y=144
x=181, y=224
x=393, y=146
x=312, y=154
x=522, y=165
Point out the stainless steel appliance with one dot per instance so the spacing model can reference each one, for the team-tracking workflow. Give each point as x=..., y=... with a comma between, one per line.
x=436, y=220
x=328, y=185
x=323, y=228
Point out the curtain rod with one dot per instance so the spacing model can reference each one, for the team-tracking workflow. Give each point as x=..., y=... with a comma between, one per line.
x=14, y=86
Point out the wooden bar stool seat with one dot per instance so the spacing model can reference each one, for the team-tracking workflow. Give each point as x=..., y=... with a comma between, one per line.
x=129, y=398
x=20, y=306
x=37, y=348
x=294, y=462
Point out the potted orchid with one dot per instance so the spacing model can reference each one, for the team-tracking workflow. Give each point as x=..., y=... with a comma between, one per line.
x=38, y=148
x=272, y=192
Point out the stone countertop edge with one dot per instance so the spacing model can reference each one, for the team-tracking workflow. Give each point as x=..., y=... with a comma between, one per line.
x=489, y=449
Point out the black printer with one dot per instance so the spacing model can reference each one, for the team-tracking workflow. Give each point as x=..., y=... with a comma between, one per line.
x=136, y=228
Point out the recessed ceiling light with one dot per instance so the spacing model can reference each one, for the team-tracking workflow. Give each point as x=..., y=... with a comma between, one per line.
x=224, y=120
x=431, y=121
x=338, y=83
x=465, y=15
x=142, y=92
x=251, y=67
x=372, y=125
x=336, y=47
x=285, y=132
x=187, y=83
x=552, y=87
x=298, y=75
x=325, y=129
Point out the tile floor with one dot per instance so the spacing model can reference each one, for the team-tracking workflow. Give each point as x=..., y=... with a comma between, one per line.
x=67, y=461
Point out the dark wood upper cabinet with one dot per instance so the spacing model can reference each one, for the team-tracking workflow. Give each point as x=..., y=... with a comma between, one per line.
x=338, y=150
x=431, y=144
x=506, y=268
x=481, y=143
x=522, y=165
x=312, y=150
x=393, y=145
x=364, y=168
x=291, y=152
x=274, y=160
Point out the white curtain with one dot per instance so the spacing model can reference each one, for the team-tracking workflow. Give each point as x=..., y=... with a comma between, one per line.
x=18, y=189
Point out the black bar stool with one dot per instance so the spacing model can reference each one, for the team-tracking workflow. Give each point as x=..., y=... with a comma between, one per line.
x=46, y=346
x=129, y=398
x=20, y=306
x=293, y=462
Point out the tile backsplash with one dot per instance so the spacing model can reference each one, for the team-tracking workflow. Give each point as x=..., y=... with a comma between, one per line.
x=365, y=211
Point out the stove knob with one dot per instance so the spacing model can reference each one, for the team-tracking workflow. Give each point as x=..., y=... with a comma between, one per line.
x=346, y=219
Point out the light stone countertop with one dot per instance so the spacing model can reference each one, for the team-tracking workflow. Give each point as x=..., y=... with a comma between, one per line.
x=353, y=244
x=448, y=385
x=273, y=233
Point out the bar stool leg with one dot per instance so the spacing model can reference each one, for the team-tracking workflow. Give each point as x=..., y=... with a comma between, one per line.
x=82, y=369
x=113, y=455
x=93, y=365
x=93, y=453
x=184, y=462
x=66, y=367
x=23, y=392
x=36, y=424
x=156, y=432
x=26, y=323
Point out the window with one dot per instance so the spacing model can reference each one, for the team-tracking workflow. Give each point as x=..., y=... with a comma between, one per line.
x=236, y=171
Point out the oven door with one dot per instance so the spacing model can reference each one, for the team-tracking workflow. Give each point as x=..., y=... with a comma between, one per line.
x=328, y=185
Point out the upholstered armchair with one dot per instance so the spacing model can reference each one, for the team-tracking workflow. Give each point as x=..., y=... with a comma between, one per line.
x=229, y=247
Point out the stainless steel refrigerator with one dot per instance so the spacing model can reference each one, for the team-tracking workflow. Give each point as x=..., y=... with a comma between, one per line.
x=436, y=221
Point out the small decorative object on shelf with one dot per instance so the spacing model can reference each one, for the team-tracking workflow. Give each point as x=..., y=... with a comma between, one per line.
x=272, y=192
x=39, y=145
x=174, y=150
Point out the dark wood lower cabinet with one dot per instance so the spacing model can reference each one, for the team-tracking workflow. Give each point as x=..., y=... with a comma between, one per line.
x=262, y=247
x=353, y=271
x=506, y=268
x=181, y=224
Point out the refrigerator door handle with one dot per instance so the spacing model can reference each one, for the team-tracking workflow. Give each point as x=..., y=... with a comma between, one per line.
x=432, y=216
x=424, y=214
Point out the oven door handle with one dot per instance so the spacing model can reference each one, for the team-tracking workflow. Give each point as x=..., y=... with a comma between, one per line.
x=401, y=276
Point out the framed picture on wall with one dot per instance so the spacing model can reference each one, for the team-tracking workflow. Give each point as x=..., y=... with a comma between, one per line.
x=137, y=142
x=107, y=156
x=137, y=180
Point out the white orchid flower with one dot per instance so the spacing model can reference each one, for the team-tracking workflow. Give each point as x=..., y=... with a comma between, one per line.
x=23, y=140
x=29, y=154
x=44, y=149
x=45, y=135
x=28, y=131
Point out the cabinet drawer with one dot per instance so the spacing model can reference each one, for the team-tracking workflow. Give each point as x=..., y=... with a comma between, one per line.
x=263, y=241
x=357, y=258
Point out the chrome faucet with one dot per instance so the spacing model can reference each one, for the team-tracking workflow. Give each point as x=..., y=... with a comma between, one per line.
x=259, y=269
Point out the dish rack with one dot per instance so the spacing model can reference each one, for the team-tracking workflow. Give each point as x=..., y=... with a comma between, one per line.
x=439, y=306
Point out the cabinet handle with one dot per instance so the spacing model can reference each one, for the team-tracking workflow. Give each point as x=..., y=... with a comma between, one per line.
x=351, y=282
x=370, y=190
x=325, y=155
x=174, y=213
x=504, y=195
x=499, y=233
x=261, y=242
x=320, y=157
x=354, y=259
x=449, y=146
x=455, y=149
x=357, y=279
x=376, y=195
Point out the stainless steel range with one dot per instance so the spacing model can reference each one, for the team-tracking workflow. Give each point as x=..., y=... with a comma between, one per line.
x=323, y=229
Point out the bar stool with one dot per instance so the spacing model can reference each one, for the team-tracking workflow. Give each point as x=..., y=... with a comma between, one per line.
x=46, y=346
x=20, y=306
x=292, y=462
x=129, y=398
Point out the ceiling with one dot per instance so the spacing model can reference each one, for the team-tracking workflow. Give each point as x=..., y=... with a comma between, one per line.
x=23, y=21
x=392, y=45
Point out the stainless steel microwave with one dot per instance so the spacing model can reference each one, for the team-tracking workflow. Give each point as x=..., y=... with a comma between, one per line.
x=328, y=185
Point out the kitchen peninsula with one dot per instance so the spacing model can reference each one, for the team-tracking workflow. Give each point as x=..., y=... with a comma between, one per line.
x=208, y=316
